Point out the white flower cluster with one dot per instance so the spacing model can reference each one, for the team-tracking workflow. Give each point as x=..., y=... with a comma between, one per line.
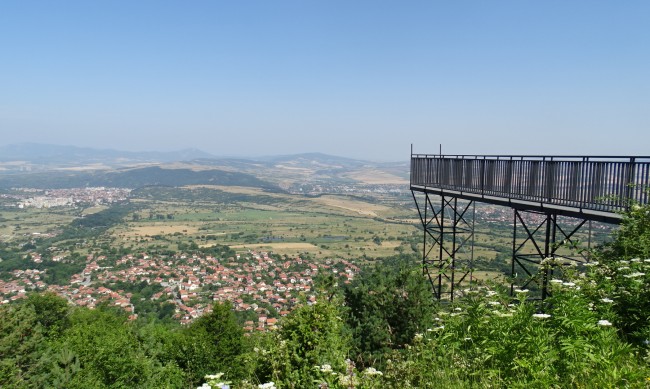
x=268, y=385
x=372, y=371
x=325, y=368
x=634, y=275
x=541, y=315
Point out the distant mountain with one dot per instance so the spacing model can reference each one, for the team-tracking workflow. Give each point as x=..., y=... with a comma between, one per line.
x=133, y=178
x=47, y=154
x=315, y=159
x=51, y=166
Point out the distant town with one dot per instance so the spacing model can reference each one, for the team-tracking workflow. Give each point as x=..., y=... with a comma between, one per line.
x=37, y=198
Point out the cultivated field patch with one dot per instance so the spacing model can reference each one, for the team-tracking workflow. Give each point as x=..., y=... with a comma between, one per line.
x=163, y=229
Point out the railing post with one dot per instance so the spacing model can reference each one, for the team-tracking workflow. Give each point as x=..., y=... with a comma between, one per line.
x=483, y=176
x=630, y=182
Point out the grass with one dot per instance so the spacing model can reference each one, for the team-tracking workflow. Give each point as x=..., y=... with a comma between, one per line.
x=20, y=225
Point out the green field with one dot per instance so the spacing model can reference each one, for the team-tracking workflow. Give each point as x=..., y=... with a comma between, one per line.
x=245, y=218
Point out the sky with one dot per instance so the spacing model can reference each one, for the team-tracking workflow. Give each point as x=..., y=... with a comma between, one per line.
x=360, y=79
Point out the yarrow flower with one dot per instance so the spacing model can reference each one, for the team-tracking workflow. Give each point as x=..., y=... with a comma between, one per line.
x=607, y=300
x=268, y=385
x=521, y=291
x=605, y=323
x=547, y=261
x=569, y=284
x=541, y=315
x=556, y=281
x=418, y=337
x=372, y=371
x=325, y=368
x=494, y=303
x=635, y=274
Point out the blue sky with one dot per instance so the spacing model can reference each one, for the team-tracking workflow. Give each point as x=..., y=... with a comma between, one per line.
x=360, y=79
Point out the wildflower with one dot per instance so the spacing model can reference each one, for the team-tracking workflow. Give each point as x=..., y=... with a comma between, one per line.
x=491, y=293
x=268, y=385
x=635, y=274
x=607, y=300
x=623, y=268
x=214, y=376
x=494, y=303
x=541, y=315
x=467, y=339
x=418, y=337
x=556, y=281
x=325, y=368
x=635, y=260
x=439, y=328
x=547, y=261
x=604, y=323
x=458, y=309
x=646, y=260
x=347, y=381
x=521, y=291
x=204, y=386
x=372, y=371
x=569, y=284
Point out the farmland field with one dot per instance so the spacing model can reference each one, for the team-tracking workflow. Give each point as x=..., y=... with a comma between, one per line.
x=246, y=218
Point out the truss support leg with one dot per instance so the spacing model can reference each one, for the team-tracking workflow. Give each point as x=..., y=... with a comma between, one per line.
x=535, y=239
x=447, y=244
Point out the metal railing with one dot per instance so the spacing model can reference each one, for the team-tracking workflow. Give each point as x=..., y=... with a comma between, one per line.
x=605, y=184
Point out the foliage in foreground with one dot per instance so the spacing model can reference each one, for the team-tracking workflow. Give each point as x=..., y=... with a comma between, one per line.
x=381, y=332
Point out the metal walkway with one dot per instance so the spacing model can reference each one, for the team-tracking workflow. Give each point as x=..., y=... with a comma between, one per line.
x=563, y=193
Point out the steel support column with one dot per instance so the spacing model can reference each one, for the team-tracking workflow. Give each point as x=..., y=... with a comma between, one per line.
x=447, y=243
x=542, y=247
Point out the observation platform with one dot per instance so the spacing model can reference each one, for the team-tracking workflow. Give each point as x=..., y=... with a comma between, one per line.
x=585, y=187
x=552, y=198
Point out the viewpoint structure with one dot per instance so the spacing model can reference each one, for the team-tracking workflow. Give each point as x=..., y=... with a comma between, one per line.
x=552, y=198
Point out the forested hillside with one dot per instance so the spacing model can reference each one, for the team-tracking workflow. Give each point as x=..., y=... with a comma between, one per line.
x=132, y=178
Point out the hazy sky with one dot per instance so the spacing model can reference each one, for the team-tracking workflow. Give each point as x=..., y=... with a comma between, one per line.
x=355, y=78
